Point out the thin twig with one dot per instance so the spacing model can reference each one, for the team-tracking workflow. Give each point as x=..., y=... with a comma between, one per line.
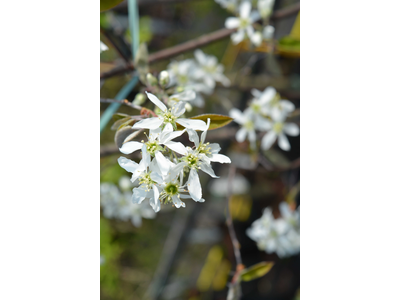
x=195, y=43
x=125, y=102
x=229, y=223
x=116, y=47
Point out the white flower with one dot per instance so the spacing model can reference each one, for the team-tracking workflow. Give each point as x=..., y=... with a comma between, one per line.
x=171, y=189
x=155, y=140
x=269, y=103
x=230, y=5
x=103, y=47
x=243, y=23
x=265, y=7
x=169, y=116
x=199, y=159
x=278, y=128
x=118, y=205
x=209, y=70
x=256, y=38
x=274, y=235
x=250, y=122
x=182, y=72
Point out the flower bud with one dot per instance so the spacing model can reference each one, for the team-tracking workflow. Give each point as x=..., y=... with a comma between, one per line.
x=188, y=107
x=139, y=99
x=163, y=78
x=151, y=80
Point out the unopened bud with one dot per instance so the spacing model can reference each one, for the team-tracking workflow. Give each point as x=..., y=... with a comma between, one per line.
x=179, y=89
x=151, y=80
x=188, y=107
x=163, y=78
x=139, y=99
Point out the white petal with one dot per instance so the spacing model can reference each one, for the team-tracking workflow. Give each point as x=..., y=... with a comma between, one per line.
x=241, y=135
x=193, y=124
x=145, y=156
x=130, y=147
x=155, y=202
x=193, y=137
x=223, y=159
x=215, y=148
x=237, y=115
x=291, y=129
x=150, y=123
x=238, y=36
x=178, y=109
x=171, y=136
x=175, y=171
x=268, y=140
x=163, y=163
x=262, y=123
x=283, y=142
x=287, y=105
x=127, y=164
x=254, y=16
x=200, y=56
x=177, y=147
x=139, y=194
x=244, y=9
x=156, y=101
x=204, y=134
x=206, y=168
x=232, y=22
x=177, y=202
x=194, y=185
x=187, y=95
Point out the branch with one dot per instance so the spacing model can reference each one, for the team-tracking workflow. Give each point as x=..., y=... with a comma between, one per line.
x=198, y=42
x=125, y=102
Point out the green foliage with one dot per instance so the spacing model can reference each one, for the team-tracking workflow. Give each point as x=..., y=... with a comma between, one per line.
x=216, y=121
x=256, y=271
x=107, y=4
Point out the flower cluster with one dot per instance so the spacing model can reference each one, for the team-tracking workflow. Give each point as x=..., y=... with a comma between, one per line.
x=245, y=18
x=165, y=163
x=199, y=74
x=268, y=113
x=117, y=204
x=280, y=235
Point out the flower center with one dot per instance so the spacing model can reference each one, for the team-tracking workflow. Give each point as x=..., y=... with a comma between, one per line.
x=255, y=107
x=145, y=179
x=183, y=79
x=244, y=23
x=192, y=161
x=249, y=125
x=278, y=127
x=169, y=117
x=171, y=189
x=152, y=147
x=204, y=149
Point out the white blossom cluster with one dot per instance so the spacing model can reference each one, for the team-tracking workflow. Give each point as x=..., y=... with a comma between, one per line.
x=280, y=235
x=165, y=163
x=246, y=15
x=117, y=204
x=266, y=113
x=199, y=74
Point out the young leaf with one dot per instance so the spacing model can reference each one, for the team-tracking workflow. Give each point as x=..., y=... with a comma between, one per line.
x=118, y=123
x=216, y=121
x=256, y=271
x=122, y=134
x=119, y=116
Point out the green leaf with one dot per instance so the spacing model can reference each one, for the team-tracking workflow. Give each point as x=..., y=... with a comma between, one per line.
x=119, y=116
x=121, y=122
x=107, y=4
x=216, y=121
x=256, y=271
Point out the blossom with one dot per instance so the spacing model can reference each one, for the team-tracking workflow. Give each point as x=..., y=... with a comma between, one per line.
x=268, y=102
x=117, y=204
x=276, y=235
x=268, y=32
x=155, y=140
x=230, y=5
x=265, y=7
x=250, y=122
x=243, y=22
x=169, y=116
x=277, y=130
x=209, y=70
x=199, y=159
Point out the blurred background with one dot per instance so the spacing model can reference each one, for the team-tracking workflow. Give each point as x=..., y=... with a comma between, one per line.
x=187, y=253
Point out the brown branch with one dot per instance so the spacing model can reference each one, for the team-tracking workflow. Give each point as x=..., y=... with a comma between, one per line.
x=198, y=42
x=107, y=35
